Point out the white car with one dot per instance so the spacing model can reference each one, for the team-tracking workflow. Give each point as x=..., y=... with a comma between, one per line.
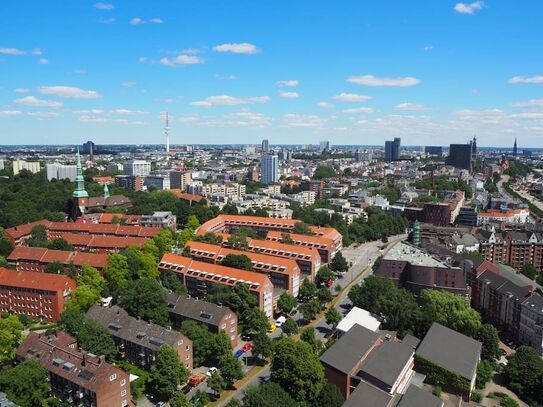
x=211, y=371
x=280, y=321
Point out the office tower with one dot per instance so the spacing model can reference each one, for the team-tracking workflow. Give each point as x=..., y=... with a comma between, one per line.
x=515, y=151
x=388, y=151
x=89, y=147
x=180, y=179
x=138, y=168
x=60, y=171
x=324, y=146
x=460, y=156
x=396, y=149
x=265, y=146
x=434, y=150
x=269, y=168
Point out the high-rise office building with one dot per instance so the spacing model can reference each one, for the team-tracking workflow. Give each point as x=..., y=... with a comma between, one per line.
x=269, y=168
x=138, y=168
x=60, y=171
x=324, y=146
x=265, y=146
x=180, y=179
x=461, y=156
x=89, y=147
x=434, y=150
x=388, y=150
x=392, y=149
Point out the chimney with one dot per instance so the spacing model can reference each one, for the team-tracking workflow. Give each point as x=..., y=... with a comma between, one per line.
x=84, y=360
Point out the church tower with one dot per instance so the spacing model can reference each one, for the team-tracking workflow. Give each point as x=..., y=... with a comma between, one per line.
x=515, y=151
x=80, y=196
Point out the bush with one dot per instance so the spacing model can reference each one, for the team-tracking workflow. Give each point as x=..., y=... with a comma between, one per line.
x=437, y=391
x=476, y=397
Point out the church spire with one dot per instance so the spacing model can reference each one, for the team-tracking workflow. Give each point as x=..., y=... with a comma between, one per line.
x=79, y=191
x=106, y=191
x=515, y=151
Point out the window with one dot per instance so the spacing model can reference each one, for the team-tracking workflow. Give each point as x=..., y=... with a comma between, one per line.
x=123, y=393
x=123, y=382
x=112, y=377
x=124, y=403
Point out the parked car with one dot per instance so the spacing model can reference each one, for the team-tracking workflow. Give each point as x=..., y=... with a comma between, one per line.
x=247, y=336
x=273, y=327
x=186, y=389
x=238, y=353
x=211, y=371
x=246, y=347
x=280, y=321
x=196, y=379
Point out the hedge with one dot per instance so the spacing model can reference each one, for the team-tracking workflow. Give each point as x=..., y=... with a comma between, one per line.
x=442, y=376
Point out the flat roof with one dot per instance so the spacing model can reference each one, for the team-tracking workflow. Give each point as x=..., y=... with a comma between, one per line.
x=406, y=252
x=366, y=395
x=361, y=317
x=388, y=361
x=417, y=397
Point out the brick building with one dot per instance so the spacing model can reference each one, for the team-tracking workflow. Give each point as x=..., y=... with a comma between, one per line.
x=76, y=377
x=38, y=258
x=37, y=295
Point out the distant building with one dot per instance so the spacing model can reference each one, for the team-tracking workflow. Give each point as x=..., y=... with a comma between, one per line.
x=324, y=146
x=89, y=147
x=265, y=146
x=76, y=377
x=129, y=182
x=114, y=167
x=463, y=156
x=60, y=171
x=1, y=168
x=392, y=150
x=138, y=168
x=515, y=151
x=269, y=167
x=180, y=179
x=157, y=181
x=358, y=316
x=19, y=165
x=434, y=150
x=164, y=219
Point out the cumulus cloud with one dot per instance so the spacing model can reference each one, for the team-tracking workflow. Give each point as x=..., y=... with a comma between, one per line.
x=289, y=83
x=238, y=119
x=43, y=61
x=69, y=92
x=325, y=105
x=43, y=115
x=225, y=77
x=528, y=116
x=21, y=90
x=370, y=80
x=225, y=100
x=526, y=79
x=410, y=106
x=12, y=51
x=351, y=97
x=428, y=48
x=103, y=6
x=137, y=21
x=128, y=112
x=469, y=8
x=10, y=113
x=156, y=21
x=529, y=103
x=289, y=95
x=301, y=120
x=237, y=48
x=181, y=60
x=359, y=110
x=128, y=84
x=33, y=101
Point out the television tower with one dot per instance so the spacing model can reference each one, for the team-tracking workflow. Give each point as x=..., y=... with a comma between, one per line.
x=167, y=134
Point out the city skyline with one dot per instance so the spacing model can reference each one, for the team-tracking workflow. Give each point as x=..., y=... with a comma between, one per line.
x=242, y=72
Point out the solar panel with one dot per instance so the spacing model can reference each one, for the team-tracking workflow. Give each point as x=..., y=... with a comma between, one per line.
x=86, y=375
x=156, y=341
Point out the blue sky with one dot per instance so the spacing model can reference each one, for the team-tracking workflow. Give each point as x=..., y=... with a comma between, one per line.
x=352, y=72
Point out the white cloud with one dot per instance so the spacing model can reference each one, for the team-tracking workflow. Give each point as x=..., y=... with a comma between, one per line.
x=359, y=110
x=182, y=59
x=225, y=100
x=142, y=60
x=428, y=48
x=43, y=115
x=469, y=8
x=128, y=84
x=526, y=79
x=21, y=90
x=106, y=20
x=289, y=83
x=325, y=105
x=43, y=61
x=237, y=48
x=137, y=21
x=128, y=112
x=410, y=106
x=10, y=113
x=89, y=118
x=301, y=120
x=36, y=51
x=89, y=111
x=289, y=95
x=225, y=77
x=528, y=116
x=35, y=102
x=370, y=80
x=69, y=92
x=12, y=51
x=104, y=6
x=237, y=119
x=529, y=103
x=351, y=97
x=156, y=20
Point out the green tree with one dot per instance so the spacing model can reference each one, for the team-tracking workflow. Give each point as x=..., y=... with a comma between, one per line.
x=164, y=241
x=192, y=223
x=200, y=399
x=208, y=348
x=72, y=321
x=324, y=295
x=308, y=335
x=26, y=384
x=289, y=327
x=60, y=244
x=297, y=369
x=216, y=383
x=339, y=263
x=324, y=171
x=262, y=346
x=231, y=369
x=238, y=261
x=302, y=228
x=488, y=336
x=333, y=317
x=38, y=237
x=6, y=247
x=54, y=268
x=171, y=281
x=310, y=309
x=330, y=396
x=179, y=400
x=94, y=338
x=256, y=321
x=524, y=373
x=168, y=372
x=268, y=394
x=11, y=333
x=185, y=236
x=286, y=303
x=308, y=290
x=146, y=299
x=233, y=402
x=529, y=271
x=82, y=298
x=484, y=373
x=90, y=277
x=324, y=275
x=449, y=310
x=141, y=264
x=116, y=272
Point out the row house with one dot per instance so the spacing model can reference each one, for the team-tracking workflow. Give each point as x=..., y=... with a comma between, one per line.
x=324, y=245
x=25, y=258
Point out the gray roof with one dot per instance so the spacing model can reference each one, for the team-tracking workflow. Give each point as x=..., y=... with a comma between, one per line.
x=387, y=362
x=119, y=324
x=366, y=395
x=451, y=350
x=350, y=349
x=417, y=397
x=5, y=402
x=411, y=341
x=535, y=303
x=197, y=310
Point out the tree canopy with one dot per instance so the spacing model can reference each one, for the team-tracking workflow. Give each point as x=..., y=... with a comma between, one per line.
x=238, y=261
x=267, y=395
x=145, y=298
x=168, y=372
x=26, y=384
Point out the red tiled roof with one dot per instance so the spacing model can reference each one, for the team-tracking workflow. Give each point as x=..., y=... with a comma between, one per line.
x=36, y=280
x=129, y=219
x=76, y=239
x=97, y=260
x=27, y=253
x=115, y=242
x=317, y=240
x=186, y=196
x=285, y=247
x=17, y=232
x=21, y=253
x=60, y=256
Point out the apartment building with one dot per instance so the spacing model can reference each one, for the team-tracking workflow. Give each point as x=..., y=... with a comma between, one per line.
x=38, y=258
x=326, y=247
x=162, y=220
x=138, y=341
x=19, y=165
x=136, y=168
x=506, y=216
x=180, y=180
x=283, y=273
x=37, y=295
x=199, y=277
x=229, y=223
x=134, y=183
x=215, y=317
x=76, y=377
x=60, y=171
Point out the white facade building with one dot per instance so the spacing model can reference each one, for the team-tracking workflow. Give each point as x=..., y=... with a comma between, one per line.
x=60, y=171
x=138, y=168
x=32, y=166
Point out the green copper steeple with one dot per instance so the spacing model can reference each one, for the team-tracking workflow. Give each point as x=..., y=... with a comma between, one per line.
x=106, y=191
x=416, y=234
x=79, y=181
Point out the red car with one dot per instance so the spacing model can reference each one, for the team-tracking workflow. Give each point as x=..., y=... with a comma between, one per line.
x=246, y=347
